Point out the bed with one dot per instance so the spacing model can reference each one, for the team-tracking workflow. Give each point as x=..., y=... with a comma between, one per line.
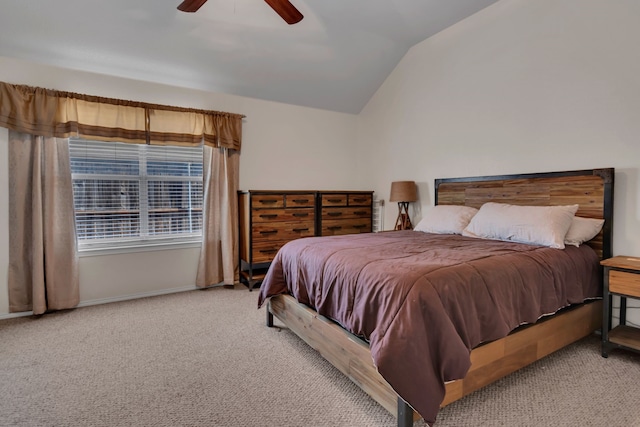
x=388, y=316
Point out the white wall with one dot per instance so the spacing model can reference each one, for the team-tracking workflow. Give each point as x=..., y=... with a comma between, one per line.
x=284, y=147
x=522, y=86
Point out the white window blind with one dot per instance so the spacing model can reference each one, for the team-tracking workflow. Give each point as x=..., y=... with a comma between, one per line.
x=131, y=194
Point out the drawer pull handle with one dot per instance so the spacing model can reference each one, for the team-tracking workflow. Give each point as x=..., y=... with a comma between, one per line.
x=269, y=232
x=268, y=202
x=301, y=200
x=359, y=226
x=298, y=230
x=301, y=215
x=335, y=227
x=268, y=251
x=334, y=200
x=361, y=213
x=269, y=216
x=359, y=200
x=334, y=213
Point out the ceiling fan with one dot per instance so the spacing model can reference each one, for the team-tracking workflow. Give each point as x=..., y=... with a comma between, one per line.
x=284, y=8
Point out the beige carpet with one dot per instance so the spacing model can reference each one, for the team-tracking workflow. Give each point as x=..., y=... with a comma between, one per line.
x=205, y=358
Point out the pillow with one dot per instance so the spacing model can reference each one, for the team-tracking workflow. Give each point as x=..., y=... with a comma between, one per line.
x=536, y=225
x=582, y=230
x=446, y=219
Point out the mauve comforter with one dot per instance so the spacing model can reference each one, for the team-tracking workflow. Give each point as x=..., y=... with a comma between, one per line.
x=423, y=301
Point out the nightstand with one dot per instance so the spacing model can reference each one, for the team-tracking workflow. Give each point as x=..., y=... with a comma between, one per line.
x=622, y=278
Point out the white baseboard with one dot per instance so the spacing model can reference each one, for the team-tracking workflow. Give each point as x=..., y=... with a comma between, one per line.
x=109, y=300
x=135, y=296
x=12, y=315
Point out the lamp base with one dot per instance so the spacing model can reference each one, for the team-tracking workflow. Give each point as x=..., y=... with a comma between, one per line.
x=403, y=222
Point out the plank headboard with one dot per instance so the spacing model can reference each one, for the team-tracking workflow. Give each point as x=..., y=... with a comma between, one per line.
x=591, y=189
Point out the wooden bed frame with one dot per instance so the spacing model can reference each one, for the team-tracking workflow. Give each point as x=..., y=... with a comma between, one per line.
x=592, y=190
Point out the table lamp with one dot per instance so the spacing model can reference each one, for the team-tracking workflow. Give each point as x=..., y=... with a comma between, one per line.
x=403, y=192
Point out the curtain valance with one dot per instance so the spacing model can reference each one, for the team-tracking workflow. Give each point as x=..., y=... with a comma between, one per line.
x=52, y=113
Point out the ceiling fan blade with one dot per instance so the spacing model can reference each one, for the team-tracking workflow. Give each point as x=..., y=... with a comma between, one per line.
x=286, y=10
x=191, y=5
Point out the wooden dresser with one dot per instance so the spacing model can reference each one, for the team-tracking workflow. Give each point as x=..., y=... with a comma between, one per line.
x=345, y=212
x=269, y=219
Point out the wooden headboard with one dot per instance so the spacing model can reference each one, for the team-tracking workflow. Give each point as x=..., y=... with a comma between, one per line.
x=591, y=189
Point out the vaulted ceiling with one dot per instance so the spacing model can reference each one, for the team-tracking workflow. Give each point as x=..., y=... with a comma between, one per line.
x=334, y=59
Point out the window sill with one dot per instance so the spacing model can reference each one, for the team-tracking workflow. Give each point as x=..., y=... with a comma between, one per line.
x=142, y=247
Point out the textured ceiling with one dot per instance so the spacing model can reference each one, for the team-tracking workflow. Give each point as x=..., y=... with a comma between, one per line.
x=334, y=59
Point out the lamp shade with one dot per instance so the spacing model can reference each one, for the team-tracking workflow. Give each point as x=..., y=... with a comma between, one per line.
x=403, y=191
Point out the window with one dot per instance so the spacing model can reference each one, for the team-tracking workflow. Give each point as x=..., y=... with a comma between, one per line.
x=132, y=195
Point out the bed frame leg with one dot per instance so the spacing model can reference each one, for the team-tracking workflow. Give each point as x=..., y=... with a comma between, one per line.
x=269, y=316
x=405, y=414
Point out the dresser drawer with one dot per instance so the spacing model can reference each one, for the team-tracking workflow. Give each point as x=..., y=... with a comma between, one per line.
x=334, y=200
x=300, y=200
x=265, y=251
x=267, y=201
x=282, y=230
x=336, y=227
x=621, y=282
x=360, y=199
x=272, y=215
x=346, y=213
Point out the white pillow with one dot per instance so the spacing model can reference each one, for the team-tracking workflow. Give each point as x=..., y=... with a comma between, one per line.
x=446, y=219
x=537, y=225
x=582, y=230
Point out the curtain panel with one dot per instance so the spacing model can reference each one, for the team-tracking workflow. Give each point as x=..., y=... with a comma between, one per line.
x=51, y=113
x=219, y=251
x=43, y=258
